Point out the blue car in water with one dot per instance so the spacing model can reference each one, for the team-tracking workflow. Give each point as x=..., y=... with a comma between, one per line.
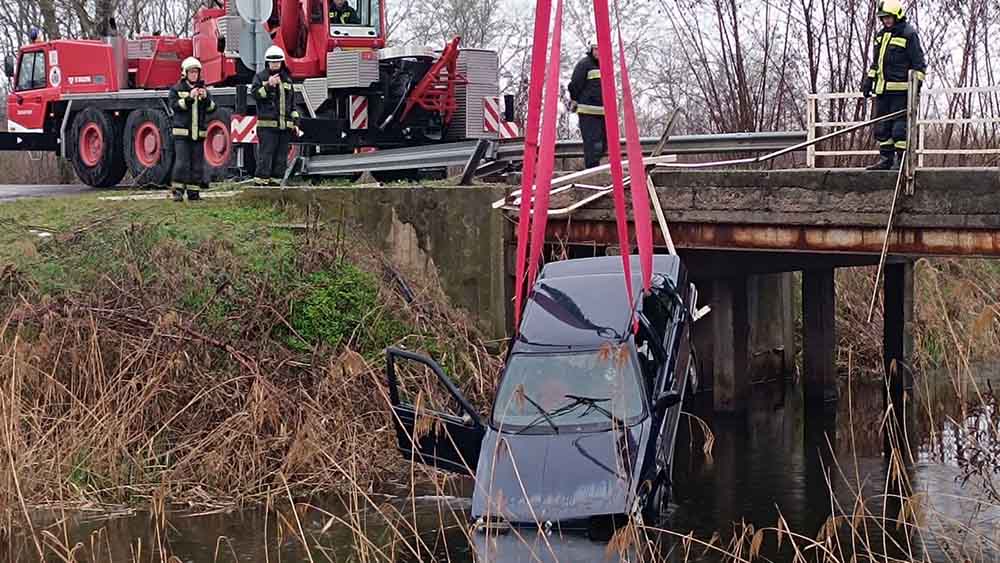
x=582, y=429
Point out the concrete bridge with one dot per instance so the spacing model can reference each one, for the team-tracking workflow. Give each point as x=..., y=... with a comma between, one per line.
x=741, y=234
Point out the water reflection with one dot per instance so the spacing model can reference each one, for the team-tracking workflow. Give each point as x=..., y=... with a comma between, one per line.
x=782, y=458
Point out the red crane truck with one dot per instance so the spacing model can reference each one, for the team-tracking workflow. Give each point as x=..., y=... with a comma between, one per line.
x=101, y=103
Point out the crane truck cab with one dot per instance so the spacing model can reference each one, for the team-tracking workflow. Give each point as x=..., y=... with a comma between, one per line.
x=101, y=103
x=581, y=432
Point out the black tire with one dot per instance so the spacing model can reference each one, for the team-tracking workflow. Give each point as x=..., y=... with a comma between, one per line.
x=148, y=144
x=655, y=511
x=98, y=158
x=389, y=176
x=219, y=153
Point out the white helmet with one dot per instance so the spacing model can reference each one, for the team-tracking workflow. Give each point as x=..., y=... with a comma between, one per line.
x=274, y=54
x=190, y=63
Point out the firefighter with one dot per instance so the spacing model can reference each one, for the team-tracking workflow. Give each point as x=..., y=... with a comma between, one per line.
x=897, y=52
x=191, y=103
x=585, y=96
x=341, y=13
x=277, y=118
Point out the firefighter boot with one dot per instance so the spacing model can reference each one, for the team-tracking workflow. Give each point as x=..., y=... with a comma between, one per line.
x=194, y=194
x=897, y=162
x=886, y=158
x=178, y=194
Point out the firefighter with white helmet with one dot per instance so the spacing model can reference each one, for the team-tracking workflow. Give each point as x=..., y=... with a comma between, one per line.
x=277, y=118
x=897, y=52
x=191, y=103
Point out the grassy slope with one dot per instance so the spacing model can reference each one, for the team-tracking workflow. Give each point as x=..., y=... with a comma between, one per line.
x=206, y=348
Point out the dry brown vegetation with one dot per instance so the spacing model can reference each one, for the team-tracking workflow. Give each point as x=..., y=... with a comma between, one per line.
x=185, y=370
x=956, y=316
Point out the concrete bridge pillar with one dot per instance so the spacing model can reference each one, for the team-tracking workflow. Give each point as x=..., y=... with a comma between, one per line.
x=730, y=336
x=897, y=335
x=747, y=337
x=819, y=338
x=772, y=326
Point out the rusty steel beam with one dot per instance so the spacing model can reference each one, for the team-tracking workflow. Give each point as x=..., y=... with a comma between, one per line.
x=796, y=238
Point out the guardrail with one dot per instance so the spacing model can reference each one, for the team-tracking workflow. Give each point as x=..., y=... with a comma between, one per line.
x=920, y=123
x=512, y=151
x=429, y=156
x=725, y=143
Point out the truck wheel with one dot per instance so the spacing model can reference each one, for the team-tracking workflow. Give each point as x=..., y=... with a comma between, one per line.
x=96, y=149
x=149, y=147
x=218, y=145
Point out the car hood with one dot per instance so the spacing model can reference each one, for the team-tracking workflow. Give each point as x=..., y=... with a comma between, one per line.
x=557, y=477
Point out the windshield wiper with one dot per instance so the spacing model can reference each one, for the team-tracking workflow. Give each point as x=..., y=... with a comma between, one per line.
x=592, y=405
x=543, y=416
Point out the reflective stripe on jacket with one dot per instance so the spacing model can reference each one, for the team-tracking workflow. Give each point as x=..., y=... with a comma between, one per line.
x=189, y=114
x=275, y=104
x=585, y=87
x=897, y=52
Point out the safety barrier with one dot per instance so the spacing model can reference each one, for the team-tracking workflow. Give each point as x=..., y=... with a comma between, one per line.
x=932, y=113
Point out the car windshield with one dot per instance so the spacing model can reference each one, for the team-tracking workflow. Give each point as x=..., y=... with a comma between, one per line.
x=551, y=391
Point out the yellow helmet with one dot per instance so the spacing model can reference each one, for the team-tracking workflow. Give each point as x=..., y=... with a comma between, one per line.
x=190, y=63
x=891, y=8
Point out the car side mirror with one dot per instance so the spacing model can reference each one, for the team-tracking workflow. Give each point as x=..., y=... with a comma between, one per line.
x=8, y=66
x=666, y=400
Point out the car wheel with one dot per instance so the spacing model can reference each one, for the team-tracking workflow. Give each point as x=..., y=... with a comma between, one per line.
x=656, y=506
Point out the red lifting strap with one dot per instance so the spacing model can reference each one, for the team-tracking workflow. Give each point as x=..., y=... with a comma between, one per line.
x=535, y=89
x=546, y=162
x=636, y=168
x=435, y=92
x=609, y=98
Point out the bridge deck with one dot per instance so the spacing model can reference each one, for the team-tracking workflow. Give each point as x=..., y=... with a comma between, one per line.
x=954, y=212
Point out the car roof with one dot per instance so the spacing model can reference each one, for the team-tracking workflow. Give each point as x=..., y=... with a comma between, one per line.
x=663, y=264
x=582, y=303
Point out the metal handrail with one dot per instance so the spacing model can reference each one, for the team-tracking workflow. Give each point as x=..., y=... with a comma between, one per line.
x=784, y=151
x=920, y=124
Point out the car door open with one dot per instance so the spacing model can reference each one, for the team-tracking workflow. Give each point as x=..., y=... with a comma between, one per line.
x=425, y=431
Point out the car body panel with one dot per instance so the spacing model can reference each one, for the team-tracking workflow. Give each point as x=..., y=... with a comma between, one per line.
x=557, y=477
x=532, y=473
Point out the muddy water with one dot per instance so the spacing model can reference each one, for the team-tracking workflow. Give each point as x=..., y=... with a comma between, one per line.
x=781, y=456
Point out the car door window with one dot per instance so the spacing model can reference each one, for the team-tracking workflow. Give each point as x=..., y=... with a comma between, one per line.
x=435, y=425
x=647, y=347
x=31, y=71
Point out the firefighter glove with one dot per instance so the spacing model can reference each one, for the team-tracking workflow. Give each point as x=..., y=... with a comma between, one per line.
x=866, y=86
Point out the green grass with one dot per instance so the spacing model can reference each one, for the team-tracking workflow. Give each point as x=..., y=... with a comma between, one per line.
x=90, y=238
x=214, y=261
